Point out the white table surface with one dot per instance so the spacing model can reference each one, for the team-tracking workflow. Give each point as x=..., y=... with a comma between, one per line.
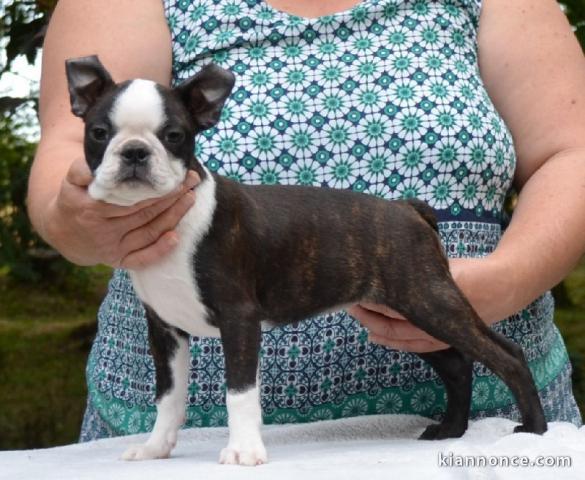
x=374, y=447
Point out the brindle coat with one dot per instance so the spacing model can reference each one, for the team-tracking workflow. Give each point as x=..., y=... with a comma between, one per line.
x=285, y=253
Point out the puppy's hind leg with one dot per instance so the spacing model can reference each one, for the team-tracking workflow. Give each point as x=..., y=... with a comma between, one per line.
x=447, y=315
x=170, y=350
x=455, y=369
x=241, y=346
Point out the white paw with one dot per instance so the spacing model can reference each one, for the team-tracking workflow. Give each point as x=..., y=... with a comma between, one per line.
x=146, y=452
x=255, y=455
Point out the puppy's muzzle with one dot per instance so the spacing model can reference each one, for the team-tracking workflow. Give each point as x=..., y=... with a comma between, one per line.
x=135, y=162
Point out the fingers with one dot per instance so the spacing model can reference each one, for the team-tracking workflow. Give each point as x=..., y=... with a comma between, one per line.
x=393, y=332
x=79, y=178
x=146, y=215
x=149, y=255
x=388, y=327
x=415, y=346
x=150, y=232
x=383, y=309
x=107, y=210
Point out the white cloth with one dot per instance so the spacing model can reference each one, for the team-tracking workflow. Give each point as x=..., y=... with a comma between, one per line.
x=372, y=447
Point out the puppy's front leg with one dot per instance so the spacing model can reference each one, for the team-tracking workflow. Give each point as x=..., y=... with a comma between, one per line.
x=170, y=350
x=241, y=345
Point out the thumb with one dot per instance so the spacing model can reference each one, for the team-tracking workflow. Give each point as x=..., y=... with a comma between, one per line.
x=79, y=173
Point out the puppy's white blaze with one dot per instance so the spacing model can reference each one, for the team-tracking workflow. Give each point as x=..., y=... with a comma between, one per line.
x=173, y=277
x=245, y=445
x=139, y=107
x=170, y=410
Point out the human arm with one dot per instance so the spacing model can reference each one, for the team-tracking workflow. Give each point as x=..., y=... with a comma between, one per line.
x=534, y=71
x=132, y=39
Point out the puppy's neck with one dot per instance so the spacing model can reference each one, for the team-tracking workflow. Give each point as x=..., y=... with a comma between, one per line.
x=197, y=221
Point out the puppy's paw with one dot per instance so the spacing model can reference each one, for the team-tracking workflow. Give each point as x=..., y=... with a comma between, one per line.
x=251, y=455
x=146, y=452
x=538, y=429
x=440, y=431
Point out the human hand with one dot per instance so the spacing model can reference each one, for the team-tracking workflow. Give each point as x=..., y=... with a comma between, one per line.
x=88, y=232
x=387, y=327
x=481, y=280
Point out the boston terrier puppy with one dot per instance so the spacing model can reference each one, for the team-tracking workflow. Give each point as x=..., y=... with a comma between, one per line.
x=274, y=254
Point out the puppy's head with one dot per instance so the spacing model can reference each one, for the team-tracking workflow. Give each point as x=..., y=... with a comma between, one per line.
x=139, y=135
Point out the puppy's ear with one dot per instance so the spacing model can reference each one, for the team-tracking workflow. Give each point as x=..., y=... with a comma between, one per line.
x=88, y=80
x=205, y=93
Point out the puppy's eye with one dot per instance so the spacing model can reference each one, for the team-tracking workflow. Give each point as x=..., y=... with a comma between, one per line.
x=99, y=134
x=174, y=136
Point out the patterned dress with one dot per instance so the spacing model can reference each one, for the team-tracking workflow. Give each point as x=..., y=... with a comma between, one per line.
x=384, y=98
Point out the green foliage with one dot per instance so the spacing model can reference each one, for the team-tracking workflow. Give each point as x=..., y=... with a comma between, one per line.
x=575, y=284
x=24, y=257
x=16, y=237
x=22, y=29
x=572, y=327
x=575, y=11
x=22, y=25
x=42, y=389
x=45, y=336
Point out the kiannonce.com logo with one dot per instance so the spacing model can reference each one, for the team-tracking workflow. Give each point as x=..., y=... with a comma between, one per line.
x=450, y=459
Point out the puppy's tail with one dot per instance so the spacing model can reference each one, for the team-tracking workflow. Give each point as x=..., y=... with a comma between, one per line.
x=424, y=211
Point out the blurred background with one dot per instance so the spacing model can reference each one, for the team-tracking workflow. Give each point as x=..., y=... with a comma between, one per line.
x=48, y=307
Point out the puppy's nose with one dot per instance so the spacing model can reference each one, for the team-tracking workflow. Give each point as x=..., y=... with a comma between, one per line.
x=135, y=154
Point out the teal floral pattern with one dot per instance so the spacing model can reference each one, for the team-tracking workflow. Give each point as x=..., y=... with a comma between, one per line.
x=386, y=99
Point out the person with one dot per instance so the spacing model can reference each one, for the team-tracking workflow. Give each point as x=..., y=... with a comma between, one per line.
x=454, y=102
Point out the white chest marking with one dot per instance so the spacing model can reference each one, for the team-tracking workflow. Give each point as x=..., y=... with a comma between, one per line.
x=169, y=286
